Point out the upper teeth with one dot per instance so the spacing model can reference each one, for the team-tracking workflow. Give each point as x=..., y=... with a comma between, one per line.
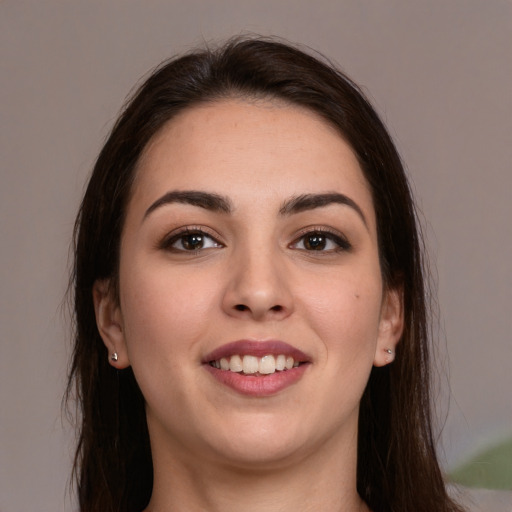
x=252, y=364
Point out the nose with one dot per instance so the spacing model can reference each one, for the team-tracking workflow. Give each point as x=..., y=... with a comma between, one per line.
x=258, y=287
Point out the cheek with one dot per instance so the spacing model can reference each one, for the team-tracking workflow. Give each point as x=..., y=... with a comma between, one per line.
x=166, y=316
x=345, y=312
x=344, y=319
x=165, y=313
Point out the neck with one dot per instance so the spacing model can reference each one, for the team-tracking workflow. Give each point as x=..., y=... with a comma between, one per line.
x=321, y=480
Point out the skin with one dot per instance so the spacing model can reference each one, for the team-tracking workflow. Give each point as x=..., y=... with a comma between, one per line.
x=256, y=278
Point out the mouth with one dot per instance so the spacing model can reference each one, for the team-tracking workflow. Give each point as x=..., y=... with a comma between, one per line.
x=257, y=368
x=253, y=365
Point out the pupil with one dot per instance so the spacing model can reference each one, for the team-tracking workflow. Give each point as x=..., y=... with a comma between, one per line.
x=315, y=242
x=193, y=241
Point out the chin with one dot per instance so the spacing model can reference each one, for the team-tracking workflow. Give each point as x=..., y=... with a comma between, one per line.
x=263, y=443
x=262, y=455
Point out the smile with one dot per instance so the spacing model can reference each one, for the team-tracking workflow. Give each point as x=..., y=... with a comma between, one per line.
x=253, y=365
x=256, y=368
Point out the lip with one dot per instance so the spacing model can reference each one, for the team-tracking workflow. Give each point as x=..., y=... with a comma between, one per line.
x=261, y=385
x=256, y=348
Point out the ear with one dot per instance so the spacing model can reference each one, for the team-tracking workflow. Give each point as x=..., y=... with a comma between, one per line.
x=391, y=326
x=110, y=323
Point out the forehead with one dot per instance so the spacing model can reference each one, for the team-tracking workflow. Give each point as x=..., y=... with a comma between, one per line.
x=254, y=150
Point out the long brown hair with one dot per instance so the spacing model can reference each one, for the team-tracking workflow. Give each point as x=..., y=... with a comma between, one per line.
x=397, y=466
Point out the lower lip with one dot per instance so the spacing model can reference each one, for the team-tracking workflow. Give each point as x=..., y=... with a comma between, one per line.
x=258, y=385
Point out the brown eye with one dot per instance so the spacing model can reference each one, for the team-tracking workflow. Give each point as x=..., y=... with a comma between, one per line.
x=321, y=241
x=190, y=241
x=315, y=242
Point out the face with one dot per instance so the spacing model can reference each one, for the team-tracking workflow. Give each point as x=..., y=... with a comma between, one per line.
x=252, y=306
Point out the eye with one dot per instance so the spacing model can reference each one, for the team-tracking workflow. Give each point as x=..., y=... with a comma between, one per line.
x=190, y=241
x=321, y=241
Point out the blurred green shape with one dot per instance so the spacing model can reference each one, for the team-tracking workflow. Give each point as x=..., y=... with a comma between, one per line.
x=490, y=469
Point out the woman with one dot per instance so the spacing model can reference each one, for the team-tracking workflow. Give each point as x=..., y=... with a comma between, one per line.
x=251, y=325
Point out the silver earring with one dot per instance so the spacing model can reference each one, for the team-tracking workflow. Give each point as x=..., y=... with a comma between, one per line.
x=389, y=351
x=113, y=357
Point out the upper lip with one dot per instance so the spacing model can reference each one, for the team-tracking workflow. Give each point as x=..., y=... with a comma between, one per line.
x=256, y=348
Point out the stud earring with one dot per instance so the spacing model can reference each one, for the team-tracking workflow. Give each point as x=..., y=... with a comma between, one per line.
x=389, y=355
x=113, y=357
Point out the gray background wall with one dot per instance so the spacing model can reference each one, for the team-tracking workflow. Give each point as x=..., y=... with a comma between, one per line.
x=439, y=72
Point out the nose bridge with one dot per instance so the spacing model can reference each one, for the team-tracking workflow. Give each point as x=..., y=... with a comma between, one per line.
x=258, y=286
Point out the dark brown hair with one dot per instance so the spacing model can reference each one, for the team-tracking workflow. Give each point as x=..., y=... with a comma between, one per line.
x=397, y=467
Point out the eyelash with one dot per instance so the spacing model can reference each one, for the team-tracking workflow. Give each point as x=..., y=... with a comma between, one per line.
x=173, y=238
x=325, y=235
x=341, y=242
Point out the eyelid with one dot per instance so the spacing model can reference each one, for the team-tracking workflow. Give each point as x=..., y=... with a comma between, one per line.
x=333, y=234
x=175, y=234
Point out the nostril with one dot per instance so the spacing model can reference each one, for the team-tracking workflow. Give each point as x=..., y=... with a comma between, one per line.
x=243, y=307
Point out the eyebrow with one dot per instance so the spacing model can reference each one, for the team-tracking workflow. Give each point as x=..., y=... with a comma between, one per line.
x=222, y=204
x=206, y=200
x=311, y=201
